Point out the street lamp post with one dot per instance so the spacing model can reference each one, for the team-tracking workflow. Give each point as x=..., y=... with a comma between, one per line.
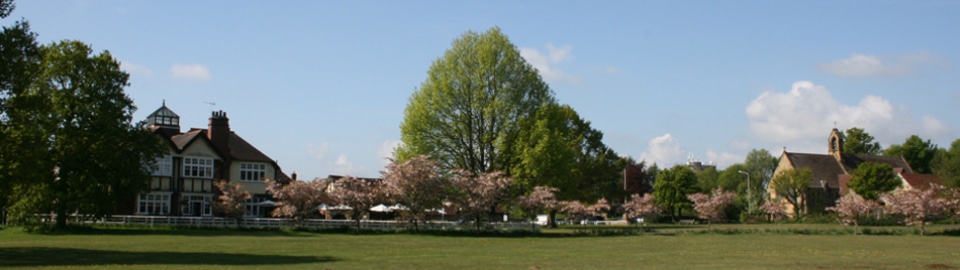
x=749, y=193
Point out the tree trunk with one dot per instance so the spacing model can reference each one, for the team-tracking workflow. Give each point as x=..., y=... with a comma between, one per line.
x=552, y=219
x=61, y=216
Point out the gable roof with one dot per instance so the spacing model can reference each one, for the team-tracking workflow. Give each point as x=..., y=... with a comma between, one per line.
x=920, y=181
x=852, y=161
x=826, y=167
x=240, y=149
x=823, y=167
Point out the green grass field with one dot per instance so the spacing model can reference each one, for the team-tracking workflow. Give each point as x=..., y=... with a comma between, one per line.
x=723, y=247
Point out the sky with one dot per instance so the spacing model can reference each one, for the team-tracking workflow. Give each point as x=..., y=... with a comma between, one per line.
x=320, y=86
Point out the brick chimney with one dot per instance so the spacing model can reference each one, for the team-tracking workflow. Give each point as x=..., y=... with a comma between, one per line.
x=218, y=131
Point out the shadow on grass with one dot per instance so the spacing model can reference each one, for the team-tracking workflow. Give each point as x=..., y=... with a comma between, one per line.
x=172, y=231
x=46, y=256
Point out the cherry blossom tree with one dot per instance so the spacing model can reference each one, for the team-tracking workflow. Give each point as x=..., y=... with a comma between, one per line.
x=641, y=206
x=774, y=209
x=232, y=200
x=711, y=207
x=416, y=184
x=917, y=206
x=358, y=194
x=297, y=199
x=852, y=208
x=541, y=199
x=600, y=208
x=577, y=211
x=952, y=196
x=479, y=194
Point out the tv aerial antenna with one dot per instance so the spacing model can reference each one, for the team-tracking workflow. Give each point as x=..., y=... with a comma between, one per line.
x=211, y=104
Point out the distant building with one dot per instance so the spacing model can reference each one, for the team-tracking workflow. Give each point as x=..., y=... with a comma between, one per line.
x=183, y=178
x=698, y=166
x=831, y=172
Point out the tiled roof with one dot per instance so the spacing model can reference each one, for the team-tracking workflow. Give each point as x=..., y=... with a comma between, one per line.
x=183, y=140
x=851, y=161
x=921, y=181
x=823, y=167
x=240, y=149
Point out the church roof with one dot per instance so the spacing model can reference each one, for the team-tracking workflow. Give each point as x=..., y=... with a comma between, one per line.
x=852, y=161
x=826, y=167
x=823, y=167
x=921, y=181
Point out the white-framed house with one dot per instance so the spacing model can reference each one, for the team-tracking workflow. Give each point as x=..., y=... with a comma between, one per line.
x=183, y=178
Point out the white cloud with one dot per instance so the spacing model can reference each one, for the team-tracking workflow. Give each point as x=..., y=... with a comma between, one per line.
x=862, y=65
x=191, y=72
x=546, y=64
x=385, y=151
x=664, y=150
x=722, y=159
x=804, y=116
x=135, y=69
x=343, y=166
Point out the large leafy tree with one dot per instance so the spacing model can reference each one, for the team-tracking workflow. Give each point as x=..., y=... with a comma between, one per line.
x=918, y=153
x=870, y=179
x=95, y=153
x=791, y=185
x=708, y=179
x=760, y=164
x=23, y=148
x=544, y=155
x=464, y=115
x=416, y=184
x=731, y=179
x=947, y=165
x=858, y=141
x=672, y=186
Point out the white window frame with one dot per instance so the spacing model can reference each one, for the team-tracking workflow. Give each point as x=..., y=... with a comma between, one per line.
x=252, y=172
x=205, y=201
x=252, y=206
x=194, y=167
x=163, y=167
x=153, y=203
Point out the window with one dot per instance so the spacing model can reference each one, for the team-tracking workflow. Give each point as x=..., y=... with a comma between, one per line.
x=252, y=171
x=198, y=167
x=153, y=204
x=253, y=207
x=196, y=205
x=163, y=167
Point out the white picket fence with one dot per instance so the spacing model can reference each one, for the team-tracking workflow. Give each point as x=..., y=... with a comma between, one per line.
x=312, y=224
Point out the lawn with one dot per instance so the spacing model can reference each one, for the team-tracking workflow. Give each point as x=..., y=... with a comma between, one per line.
x=555, y=249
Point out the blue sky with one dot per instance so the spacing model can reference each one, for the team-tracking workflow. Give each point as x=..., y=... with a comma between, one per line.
x=321, y=86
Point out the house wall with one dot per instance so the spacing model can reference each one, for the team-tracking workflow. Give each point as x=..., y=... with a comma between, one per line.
x=782, y=166
x=254, y=187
